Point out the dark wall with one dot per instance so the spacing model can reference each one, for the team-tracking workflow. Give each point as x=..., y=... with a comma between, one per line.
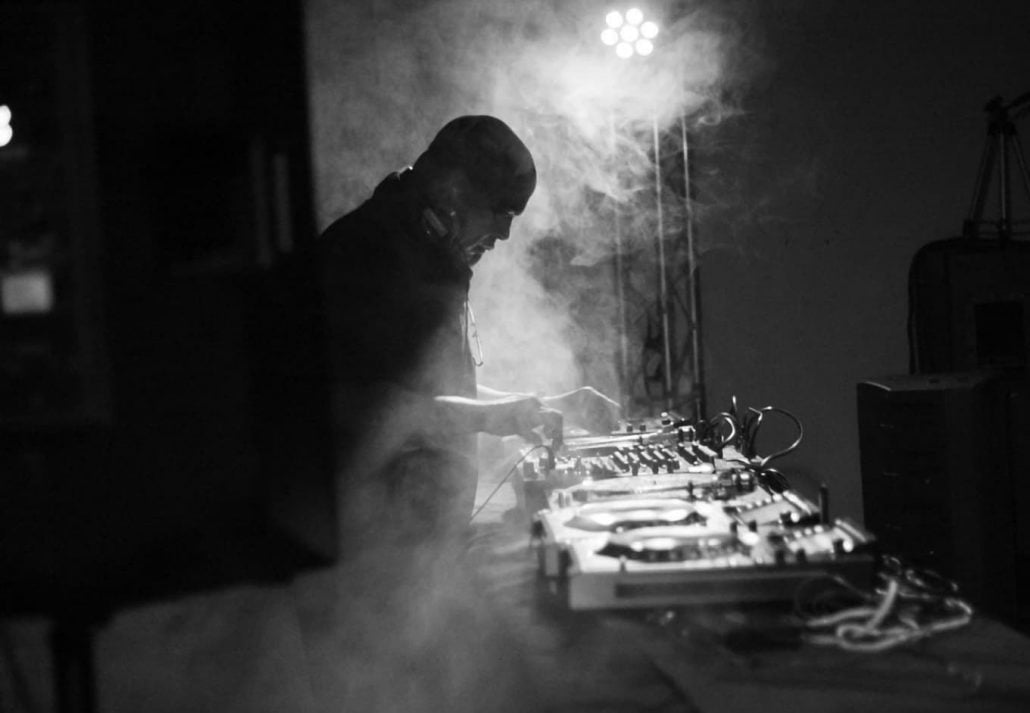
x=207, y=458
x=857, y=144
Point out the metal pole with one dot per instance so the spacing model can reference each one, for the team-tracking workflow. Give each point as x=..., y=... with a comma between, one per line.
x=1003, y=177
x=1021, y=160
x=620, y=284
x=693, y=274
x=983, y=179
x=663, y=284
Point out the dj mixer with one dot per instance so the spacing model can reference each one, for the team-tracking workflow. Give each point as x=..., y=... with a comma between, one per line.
x=664, y=512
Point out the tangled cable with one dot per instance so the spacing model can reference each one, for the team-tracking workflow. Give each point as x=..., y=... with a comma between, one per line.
x=911, y=604
x=507, y=475
x=744, y=428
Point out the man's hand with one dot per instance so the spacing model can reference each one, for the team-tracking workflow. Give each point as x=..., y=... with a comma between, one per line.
x=587, y=408
x=524, y=416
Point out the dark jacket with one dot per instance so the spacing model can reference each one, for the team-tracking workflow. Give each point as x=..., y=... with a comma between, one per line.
x=395, y=300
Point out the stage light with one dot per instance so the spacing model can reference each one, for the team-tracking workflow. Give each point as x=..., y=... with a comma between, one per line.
x=629, y=34
x=6, y=132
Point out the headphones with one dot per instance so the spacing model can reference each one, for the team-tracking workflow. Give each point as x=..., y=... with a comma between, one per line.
x=441, y=228
x=442, y=224
x=436, y=224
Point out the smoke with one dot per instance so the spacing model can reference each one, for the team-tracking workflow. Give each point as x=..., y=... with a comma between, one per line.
x=385, y=75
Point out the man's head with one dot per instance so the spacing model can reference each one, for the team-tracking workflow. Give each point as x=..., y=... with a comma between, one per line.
x=479, y=175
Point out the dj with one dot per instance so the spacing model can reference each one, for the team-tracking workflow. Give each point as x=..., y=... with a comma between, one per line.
x=396, y=275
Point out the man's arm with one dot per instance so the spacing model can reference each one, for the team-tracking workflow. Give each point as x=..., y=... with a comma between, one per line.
x=585, y=407
x=378, y=406
x=500, y=414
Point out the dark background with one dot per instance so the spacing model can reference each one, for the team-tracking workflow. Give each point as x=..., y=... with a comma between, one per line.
x=862, y=146
x=857, y=142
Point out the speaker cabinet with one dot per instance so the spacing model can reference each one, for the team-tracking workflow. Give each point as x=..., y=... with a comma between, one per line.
x=943, y=477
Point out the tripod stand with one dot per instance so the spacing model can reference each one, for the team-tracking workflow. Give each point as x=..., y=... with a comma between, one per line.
x=1002, y=140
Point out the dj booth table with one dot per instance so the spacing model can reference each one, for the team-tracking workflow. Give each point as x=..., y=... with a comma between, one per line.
x=729, y=659
x=471, y=626
x=476, y=629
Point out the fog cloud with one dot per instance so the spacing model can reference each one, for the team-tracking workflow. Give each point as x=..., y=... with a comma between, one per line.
x=385, y=75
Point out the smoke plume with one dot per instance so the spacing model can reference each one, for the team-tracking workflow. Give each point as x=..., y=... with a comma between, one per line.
x=385, y=75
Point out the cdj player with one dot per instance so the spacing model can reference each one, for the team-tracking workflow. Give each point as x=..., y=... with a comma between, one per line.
x=665, y=512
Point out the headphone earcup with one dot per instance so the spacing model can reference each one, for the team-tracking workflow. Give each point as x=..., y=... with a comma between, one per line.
x=441, y=226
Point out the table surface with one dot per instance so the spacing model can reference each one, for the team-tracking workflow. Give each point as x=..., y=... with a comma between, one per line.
x=725, y=659
x=731, y=659
x=415, y=626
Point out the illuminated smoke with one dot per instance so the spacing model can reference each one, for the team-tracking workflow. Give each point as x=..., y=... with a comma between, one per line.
x=385, y=75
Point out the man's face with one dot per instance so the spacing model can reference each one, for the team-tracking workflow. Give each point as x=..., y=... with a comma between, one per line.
x=479, y=228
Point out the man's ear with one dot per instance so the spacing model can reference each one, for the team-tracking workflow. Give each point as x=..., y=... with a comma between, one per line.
x=447, y=192
x=455, y=191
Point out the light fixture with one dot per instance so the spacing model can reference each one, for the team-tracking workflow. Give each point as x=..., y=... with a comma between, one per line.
x=6, y=132
x=628, y=33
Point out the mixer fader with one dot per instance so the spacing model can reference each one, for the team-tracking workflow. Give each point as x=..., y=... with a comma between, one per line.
x=664, y=512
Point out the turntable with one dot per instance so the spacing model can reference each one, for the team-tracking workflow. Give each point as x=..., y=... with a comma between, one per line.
x=683, y=565
x=594, y=522
x=654, y=516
